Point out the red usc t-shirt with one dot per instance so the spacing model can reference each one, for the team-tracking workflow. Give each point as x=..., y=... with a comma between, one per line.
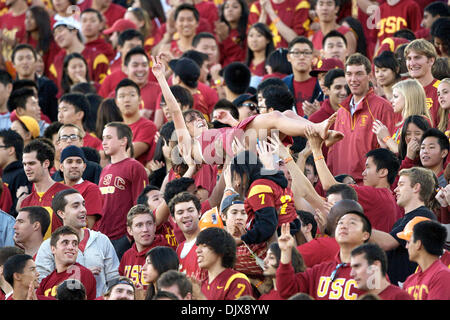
x=405, y=14
x=50, y=283
x=144, y=130
x=432, y=100
x=259, y=69
x=120, y=184
x=228, y=285
x=206, y=101
x=93, y=199
x=319, y=250
x=232, y=48
x=394, y=293
x=303, y=90
x=293, y=13
x=108, y=86
x=101, y=46
x=45, y=201
x=431, y=284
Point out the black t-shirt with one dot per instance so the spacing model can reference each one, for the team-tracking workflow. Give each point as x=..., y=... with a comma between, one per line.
x=399, y=266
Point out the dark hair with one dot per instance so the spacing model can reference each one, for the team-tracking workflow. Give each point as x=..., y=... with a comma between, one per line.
x=437, y=8
x=242, y=23
x=441, y=137
x=23, y=46
x=166, y=131
x=43, y=151
x=202, y=35
x=91, y=154
x=278, y=97
x=176, y=186
x=107, y=112
x=125, y=82
x=92, y=10
x=277, y=60
x=264, y=30
x=334, y=34
x=13, y=139
x=441, y=68
x=84, y=88
x=174, y=277
x=182, y=95
x=198, y=57
x=18, y=98
x=162, y=259
x=300, y=39
x=310, y=161
x=306, y=218
x=432, y=234
x=221, y=242
x=346, y=191
x=268, y=82
x=187, y=6
x=331, y=75
x=164, y=295
x=78, y=101
x=420, y=122
x=227, y=105
x=9, y=251
x=154, y=9
x=441, y=29
x=367, y=226
x=372, y=252
x=71, y=290
x=142, y=198
x=52, y=129
x=356, y=26
x=400, y=56
x=385, y=159
x=5, y=77
x=181, y=198
x=123, y=131
x=38, y=214
x=405, y=33
x=59, y=201
x=246, y=164
x=91, y=118
x=386, y=59
x=64, y=230
x=337, y=3
x=129, y=34
x=297, y=260
x=43, y=24
x=66, y=82
x=15, y=264
x=24, y=83
x=133, y=52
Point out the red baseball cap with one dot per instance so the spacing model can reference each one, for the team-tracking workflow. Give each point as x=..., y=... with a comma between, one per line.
x=326, y=65
x=120, y=25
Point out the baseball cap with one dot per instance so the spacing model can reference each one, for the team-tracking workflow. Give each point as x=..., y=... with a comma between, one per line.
x=68, y=22
x=120, y=25
x=72, y=151
x=186, y=68
x=407, y=232
x=209, y=219
x=245, y=97
x=229, y=201
x=30, y=123
x=326, y=65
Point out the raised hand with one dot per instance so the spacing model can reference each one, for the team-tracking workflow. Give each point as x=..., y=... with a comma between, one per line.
x=286, y=241
x=158, y=67
x=265, y=154
x=412, y=148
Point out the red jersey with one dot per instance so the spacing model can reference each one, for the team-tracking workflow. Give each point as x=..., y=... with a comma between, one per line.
x=167, y=230
x=380, y=206
x=318, y=36
x=259, y=69
x=45, y=201
x=293, y=13
x=133, y=260
x=303, y=90
x=317, y=281
x=93, y=199
x=405, y=14
x=90, y=140
x=432, y=100
x=108, y=86
x=112, y=14
x=50, y=283
x=204, y=177
x=394, y=293
x=431, y=284
x=232, y=48
x=348, y=155
x=144, y=130
x=188, y=263
x=6, y=201
x=120, y=184
x=319, y=250
x=228, y=285
x=208, y=10
x=445, y=258
x=325, y=111
x=390, y=44
x=12, y=27
x=100, y=45
x=149, y=96
x=205, y=101
x=272, y=295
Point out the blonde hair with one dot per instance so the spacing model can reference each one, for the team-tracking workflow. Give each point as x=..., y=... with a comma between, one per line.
x=443, y=113
x=415, y=98
x=423, y=47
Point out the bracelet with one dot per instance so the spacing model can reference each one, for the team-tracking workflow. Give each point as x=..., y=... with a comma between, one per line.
x=287, y=160
x=319, y=158
x=259, y=283
x=385, y=139
x=230, y=190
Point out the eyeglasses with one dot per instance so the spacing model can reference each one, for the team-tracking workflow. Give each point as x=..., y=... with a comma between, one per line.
x=297, y=54
x=334, y=274
x=72, y=137
x=252, y=106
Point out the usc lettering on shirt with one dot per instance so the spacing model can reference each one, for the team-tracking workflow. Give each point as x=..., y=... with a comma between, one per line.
x=119, y=183
x=391, y=25
x=340, y=288
x=134, y=272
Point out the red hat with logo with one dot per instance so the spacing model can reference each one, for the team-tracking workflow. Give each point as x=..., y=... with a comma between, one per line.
x=120, y=25
x=325, y=65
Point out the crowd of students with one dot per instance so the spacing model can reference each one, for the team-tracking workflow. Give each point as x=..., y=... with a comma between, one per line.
x=224, y=150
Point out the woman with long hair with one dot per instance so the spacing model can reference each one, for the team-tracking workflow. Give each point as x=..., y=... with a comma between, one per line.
x=259, y=47
x=157, y=261
x=277, y=64
x=75, y=70
x=387, y=72
x=146, y=26
x=412, y=130
x=361, y=43
x=232, y=31
x=107, y=112
x=408, y=98
x=443, y=93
